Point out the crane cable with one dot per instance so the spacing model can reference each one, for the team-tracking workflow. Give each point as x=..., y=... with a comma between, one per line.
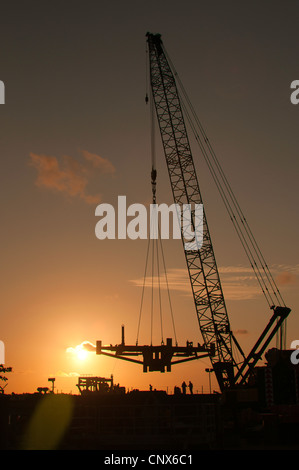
x=237, y=227
x=259, y=275
x=155, y=238
x=254, y=254
x=156, y=229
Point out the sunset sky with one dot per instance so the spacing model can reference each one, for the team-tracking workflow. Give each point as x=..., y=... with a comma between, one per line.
x=75, y=132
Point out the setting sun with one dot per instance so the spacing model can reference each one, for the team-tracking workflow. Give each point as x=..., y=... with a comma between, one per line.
x=80, y=351
x=82, y=354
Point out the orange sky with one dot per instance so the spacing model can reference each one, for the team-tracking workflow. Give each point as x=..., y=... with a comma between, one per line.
x=75, y=132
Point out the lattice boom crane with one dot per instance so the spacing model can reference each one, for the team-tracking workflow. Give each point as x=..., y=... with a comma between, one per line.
x=201, y=263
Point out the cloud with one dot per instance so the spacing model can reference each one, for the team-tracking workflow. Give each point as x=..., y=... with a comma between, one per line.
x=234, y=269
x=85, y=346
x=88, y=346
x=286, y=278
x=240, y=332
x=238, y=282
x=69, y=176
x=104, y=165
x=177, y=280
x=61, y=373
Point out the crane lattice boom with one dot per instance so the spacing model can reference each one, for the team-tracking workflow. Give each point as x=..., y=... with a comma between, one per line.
x=205, y=282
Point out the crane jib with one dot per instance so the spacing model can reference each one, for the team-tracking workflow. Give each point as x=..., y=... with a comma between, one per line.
x=202, y=267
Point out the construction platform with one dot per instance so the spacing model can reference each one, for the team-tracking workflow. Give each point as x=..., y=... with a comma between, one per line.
x=158, y=358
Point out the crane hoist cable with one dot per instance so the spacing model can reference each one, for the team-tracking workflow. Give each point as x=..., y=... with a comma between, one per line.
x=245, y=242
x=232, y=204
x=159, y=238
x=155, y=244
x=249, y=243
x=234, y=220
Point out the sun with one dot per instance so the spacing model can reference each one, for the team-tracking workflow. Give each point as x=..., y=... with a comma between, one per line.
x=81, y=351
x=82, y=354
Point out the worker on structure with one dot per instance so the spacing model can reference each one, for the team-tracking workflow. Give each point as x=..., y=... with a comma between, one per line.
x=190, y=387
x=184, y=386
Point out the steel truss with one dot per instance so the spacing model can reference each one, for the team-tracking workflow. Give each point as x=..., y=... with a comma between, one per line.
x=202, y=268
x=155, y=358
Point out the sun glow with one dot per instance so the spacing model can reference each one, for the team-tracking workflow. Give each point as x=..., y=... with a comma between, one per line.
x=81, y=350
x=82, y=354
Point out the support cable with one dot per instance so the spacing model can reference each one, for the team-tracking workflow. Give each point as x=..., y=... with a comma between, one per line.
x=244, y=223
x=156, y=236
x=154, y=176
x=234, y=221
x=143, y=289
x=152, y=302
x=160, y=299
x=168, y=292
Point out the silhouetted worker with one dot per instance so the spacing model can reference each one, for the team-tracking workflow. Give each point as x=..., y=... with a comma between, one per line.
x=184, y=386
x=190, y=387
x=151, y=388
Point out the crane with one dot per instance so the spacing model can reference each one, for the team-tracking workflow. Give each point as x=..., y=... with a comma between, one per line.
x=211, y=310
x=201, y=263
